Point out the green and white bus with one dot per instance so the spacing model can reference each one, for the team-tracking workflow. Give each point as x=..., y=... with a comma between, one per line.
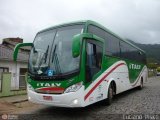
x=81, y=63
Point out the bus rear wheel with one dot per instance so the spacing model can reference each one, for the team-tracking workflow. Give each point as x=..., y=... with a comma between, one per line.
x=141, y=85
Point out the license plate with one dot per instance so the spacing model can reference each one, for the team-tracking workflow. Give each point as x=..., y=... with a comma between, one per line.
x=48, y=98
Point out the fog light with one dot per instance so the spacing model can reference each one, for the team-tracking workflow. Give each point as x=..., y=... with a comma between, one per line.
x=75, y=101
x=29, y=98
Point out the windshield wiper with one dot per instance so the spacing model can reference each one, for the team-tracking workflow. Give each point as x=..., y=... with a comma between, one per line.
x=57, y=63
x=55, y=60
x=46, y=54
x=54, y=53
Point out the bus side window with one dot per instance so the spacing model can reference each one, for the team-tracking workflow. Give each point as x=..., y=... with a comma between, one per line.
x=93, y=60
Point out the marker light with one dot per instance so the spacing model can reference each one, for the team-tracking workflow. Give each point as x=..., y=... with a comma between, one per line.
x=29, y=98
x=75, y=101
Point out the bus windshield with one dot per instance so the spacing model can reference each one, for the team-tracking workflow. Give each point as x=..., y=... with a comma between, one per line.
x=52, y=52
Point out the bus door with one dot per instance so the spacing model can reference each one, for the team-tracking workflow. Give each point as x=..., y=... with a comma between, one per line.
x=94, y=53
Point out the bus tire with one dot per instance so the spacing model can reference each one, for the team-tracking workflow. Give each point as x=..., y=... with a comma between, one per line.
x=140, y=87
x=110, y=95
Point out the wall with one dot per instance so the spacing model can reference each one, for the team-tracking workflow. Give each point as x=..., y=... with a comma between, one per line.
x=6, y=86
x=14, y=70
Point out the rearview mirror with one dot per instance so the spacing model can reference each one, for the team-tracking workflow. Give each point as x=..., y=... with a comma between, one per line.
x=76, y=45
x=18, y=46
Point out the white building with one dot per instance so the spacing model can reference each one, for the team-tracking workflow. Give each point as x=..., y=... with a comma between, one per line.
x=17, y=69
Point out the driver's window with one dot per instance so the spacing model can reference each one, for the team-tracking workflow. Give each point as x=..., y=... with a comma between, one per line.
x=93, y=59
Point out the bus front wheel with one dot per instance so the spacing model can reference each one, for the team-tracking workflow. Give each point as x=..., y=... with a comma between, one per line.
x=110, y=95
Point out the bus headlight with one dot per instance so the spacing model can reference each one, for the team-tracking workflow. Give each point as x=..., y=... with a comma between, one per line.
x=29, y=87
x=73, y=88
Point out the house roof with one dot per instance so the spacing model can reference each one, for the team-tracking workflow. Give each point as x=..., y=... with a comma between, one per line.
x=13, y=43
x=7, y=54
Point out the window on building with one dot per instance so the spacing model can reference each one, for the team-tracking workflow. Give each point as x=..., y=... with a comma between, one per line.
x=22, y=81
x=2, y=69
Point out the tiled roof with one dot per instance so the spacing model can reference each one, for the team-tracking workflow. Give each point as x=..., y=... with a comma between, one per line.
x=7, y=54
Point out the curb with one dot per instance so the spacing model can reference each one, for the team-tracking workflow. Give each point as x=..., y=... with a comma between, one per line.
x=14, y=102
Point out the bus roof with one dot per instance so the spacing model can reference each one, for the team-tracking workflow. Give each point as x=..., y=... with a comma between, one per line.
x=88, y=22
x=64, y=24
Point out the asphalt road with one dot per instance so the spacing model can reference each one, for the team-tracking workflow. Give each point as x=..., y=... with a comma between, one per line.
x=135, y=102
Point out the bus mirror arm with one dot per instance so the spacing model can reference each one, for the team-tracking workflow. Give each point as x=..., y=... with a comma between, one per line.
x=76, y=44
x=18, y=46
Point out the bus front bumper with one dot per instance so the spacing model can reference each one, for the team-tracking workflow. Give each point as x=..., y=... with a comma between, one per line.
x=72, y=99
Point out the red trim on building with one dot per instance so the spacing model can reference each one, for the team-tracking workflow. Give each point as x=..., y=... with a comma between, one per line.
x=87, y=95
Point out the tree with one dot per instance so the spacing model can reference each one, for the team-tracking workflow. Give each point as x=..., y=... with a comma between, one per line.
x=158, y=69
x=152, y=65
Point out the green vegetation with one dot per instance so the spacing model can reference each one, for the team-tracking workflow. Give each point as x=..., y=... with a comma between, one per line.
x=152, y=66
x=158, y=69
x=151, y=74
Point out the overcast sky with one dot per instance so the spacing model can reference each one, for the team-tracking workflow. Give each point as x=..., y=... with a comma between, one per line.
x=138, y=20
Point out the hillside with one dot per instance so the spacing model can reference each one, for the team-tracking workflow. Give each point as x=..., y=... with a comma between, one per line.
x=152, y=51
